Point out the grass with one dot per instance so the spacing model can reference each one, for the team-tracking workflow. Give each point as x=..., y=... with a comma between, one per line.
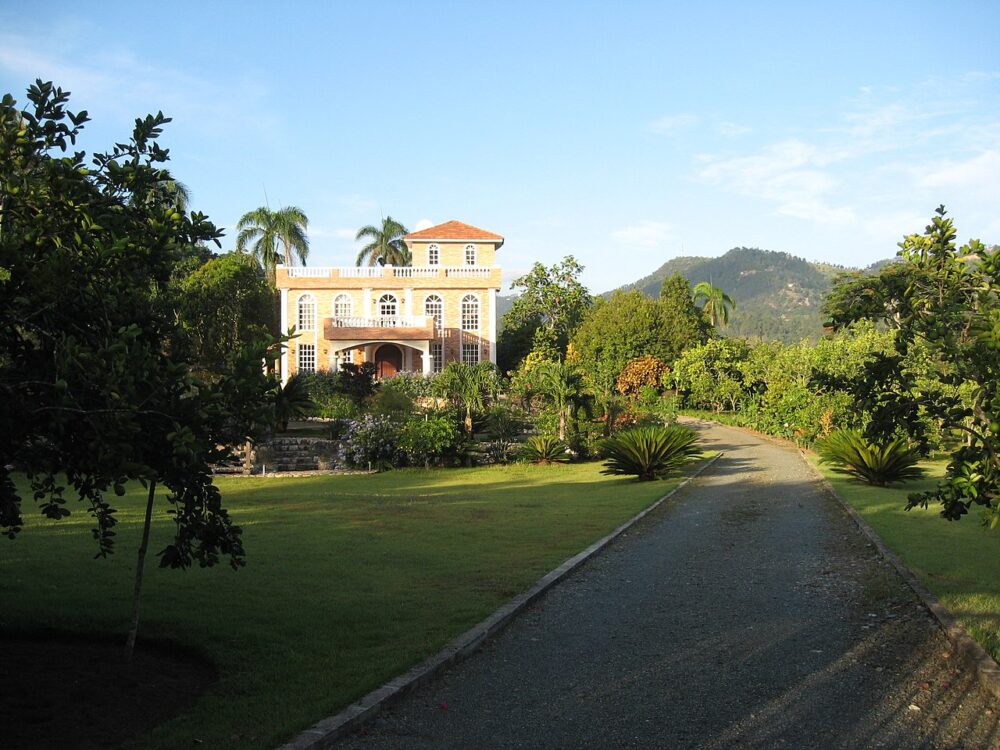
x=959, y=561
x=350, y=580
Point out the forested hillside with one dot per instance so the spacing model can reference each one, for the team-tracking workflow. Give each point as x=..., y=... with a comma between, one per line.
x=778, y=296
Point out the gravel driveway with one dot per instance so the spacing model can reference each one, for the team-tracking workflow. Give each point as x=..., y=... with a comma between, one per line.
x=746, y=613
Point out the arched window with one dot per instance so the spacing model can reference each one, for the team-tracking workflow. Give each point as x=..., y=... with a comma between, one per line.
x=470, y=313
x=433, y=255
x=470, y=255
x=342, y=306
x=388, y=307
x=307, y=312
x=434, y=307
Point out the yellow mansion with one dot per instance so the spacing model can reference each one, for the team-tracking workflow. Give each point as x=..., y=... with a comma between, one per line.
x=412, y=318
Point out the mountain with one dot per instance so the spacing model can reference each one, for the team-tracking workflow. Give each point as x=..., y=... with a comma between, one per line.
x=778, y=296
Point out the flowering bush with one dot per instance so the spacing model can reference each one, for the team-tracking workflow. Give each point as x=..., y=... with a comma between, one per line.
x=372, y=441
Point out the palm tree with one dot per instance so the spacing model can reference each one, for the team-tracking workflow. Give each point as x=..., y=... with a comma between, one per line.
x=717, y=304
x=286, y=225
x=563, y=385
x=469, y=386
x=385, y=243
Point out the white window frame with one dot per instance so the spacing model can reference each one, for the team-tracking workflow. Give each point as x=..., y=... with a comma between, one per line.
x=306, y=312
x=305, y=358
x=439, y=317
x=433, y=255
x=471, y=353
x=471, y=312
x=384, y=305
x=471, y=256
x=343, y=306
x=437, y=356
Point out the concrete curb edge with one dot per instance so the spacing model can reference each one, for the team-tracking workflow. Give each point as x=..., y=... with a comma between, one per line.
x=967, y=648
x=325, y=733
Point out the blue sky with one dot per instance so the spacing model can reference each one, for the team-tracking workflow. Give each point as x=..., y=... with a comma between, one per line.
x=622, y=133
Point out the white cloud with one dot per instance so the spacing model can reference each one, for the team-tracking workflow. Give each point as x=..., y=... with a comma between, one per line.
x=644, y=234
x=423, y=224
x=672, y=123
x=979, y=174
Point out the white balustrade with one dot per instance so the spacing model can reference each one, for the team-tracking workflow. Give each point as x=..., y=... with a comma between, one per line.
x=383, y=321
x=468, y=272
x=314, y=272
x=360, y=272
x=416, y=272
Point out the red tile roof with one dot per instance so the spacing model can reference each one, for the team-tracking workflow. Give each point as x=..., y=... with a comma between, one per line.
x=454, y=230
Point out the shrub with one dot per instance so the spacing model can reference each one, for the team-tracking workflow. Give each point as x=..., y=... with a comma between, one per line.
x=641, y=372
x=391, y=401
x=291, y=400
x=372, y=441
x=544, y=449
x=426, y=438
x=649, y=452
x=850, y=453
x=413, y=384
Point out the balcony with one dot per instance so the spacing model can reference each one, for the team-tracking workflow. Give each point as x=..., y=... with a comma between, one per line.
x=334, y=273
x=388, y=328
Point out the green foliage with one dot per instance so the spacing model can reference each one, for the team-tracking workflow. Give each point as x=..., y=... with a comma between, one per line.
x=850, y=453
x=372, y=441
x=562, y=384
x=225, y=307
x=544, y=449
x=413, y=384
x=385, y=243
x=716, y=303
x=292, y=400
x=469, y=387
x=95, y=385
x=391, y=401
x=425, y=438
x=649, y=453
x=265, y=229
x=357, y=382
x=551, y=298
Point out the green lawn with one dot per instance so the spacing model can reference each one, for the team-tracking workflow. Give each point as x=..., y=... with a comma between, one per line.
x=350, y=580
x=958, y=561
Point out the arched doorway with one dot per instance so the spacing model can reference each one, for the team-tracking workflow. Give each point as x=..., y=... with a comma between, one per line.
x=388, y=361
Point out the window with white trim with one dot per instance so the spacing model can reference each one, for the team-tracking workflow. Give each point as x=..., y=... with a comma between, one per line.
x=470, y=354
x=342, y=306
x=388, y=306
x=434, y=307
x=470, y=312
x=470, y=255
x=307, y=358
x=433, y=255
x=307, y=312
x=437, y=357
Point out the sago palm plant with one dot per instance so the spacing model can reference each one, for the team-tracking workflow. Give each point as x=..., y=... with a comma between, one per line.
x=648, y=452
x=850, y=453
x=544, y=449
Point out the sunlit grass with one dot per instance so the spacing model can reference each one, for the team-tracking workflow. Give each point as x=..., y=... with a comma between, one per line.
x=959, y=561
x=349, y=581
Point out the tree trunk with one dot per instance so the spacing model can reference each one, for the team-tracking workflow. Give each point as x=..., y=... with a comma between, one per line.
x=248, y=458
x=562, y=424
x=140, y=563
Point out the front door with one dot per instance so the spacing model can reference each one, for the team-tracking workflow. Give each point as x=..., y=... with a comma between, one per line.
x=388, y=361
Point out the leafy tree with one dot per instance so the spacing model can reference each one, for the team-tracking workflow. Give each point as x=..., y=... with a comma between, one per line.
x=292, y=400
x=225, y=307
x=642, y=372
x=716, y=303
x=686, y=326
x=385, y=242
x=552, y=299
x=266, y=229
x=95, y=389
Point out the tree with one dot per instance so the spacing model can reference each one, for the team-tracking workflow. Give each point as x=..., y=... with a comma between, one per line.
x=468, y=386
x=551, y=298
x=266, y=228
x=95, y=386
x=225, y=307
x=562, y=384
x=716, y=303
x=385, y=243
x=686, y=325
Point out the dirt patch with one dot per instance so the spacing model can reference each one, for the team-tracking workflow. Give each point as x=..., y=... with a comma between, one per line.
x=71, y=692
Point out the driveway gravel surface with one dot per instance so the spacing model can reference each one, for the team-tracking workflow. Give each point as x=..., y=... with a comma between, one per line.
x=748, y=612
